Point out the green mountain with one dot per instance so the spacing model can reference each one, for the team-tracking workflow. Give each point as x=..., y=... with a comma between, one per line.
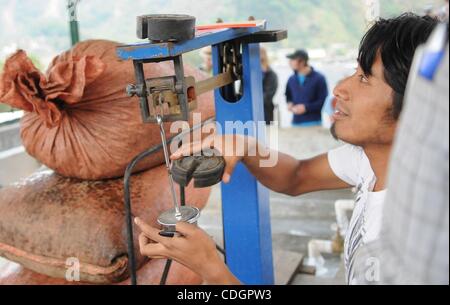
x=317, y=23
x=311, y=23
x=41, y=27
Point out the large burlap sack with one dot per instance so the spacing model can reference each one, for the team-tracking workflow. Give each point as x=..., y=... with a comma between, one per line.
x=150, y=274
x=79, y=120
x=47, y=219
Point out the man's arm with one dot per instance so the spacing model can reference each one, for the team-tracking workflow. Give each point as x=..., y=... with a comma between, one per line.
x=294, y=177
x=271, y=86
x=322, y=93
x=288, y=94
x=288, y=175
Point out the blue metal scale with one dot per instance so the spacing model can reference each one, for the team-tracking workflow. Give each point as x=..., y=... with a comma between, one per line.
x=165, y=50
x=245, y=202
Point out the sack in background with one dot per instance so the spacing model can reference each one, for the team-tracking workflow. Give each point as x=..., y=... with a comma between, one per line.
x=79, y=120
x=46, y=219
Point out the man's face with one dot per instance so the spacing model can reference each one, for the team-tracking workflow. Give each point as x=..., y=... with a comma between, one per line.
x=295, y=64
x=363, y=108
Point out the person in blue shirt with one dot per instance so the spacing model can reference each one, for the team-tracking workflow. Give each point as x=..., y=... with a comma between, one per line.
x=306, y=91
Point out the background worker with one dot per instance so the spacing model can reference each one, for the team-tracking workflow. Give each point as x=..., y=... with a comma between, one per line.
x=270, y=86
x=306, y=91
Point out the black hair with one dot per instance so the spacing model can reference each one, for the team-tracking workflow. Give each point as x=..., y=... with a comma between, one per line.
x=300, y=55
x=396, y=41
x=303, y=55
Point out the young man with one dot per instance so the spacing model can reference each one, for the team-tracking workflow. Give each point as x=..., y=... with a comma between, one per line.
x=368, y=107
x=306, y=91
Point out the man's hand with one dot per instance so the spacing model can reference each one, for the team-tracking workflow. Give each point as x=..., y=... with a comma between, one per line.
x=299, y=109
x=192, y=248
x=290, y=106
x=287, y=175
x=233, y=148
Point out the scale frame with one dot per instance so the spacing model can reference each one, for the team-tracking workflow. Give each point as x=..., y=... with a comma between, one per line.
x=245, y=201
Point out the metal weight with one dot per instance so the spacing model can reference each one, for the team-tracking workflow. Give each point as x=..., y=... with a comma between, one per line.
x=165, y=28
x=206, y=170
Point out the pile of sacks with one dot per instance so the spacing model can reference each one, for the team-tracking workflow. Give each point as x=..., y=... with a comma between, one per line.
x=80, y=123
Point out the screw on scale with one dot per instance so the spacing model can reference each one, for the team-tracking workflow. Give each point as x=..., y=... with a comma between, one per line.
x=166, y=157
x=169, y=219
x=206, y=170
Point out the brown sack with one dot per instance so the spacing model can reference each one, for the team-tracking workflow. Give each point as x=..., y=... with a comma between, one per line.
x=47, y=219
x=150, y=274
x=79, y=120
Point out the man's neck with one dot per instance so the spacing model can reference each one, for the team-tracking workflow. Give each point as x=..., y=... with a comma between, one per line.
x=305, y=70
x=379, y=156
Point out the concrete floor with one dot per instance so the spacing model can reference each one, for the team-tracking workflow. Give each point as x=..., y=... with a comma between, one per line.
x=295, y=221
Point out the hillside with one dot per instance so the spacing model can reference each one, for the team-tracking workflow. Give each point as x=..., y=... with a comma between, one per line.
x=41, y=27
x=316, y=23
